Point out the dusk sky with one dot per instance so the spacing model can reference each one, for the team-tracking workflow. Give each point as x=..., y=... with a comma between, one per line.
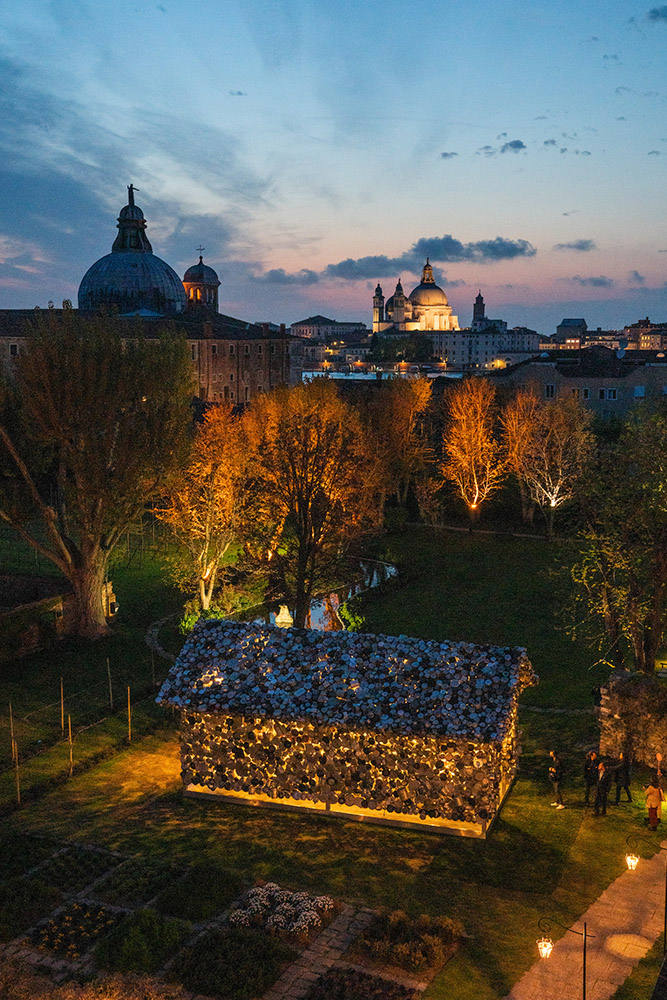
x=314, y=148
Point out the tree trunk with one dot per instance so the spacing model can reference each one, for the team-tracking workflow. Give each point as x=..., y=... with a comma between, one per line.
x=302, y=587
x=87, y=582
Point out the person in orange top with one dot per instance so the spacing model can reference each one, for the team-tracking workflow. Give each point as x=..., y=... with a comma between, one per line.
x=654, y=799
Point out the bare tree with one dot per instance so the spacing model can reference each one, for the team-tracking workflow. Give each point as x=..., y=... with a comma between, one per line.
x=518, y=422
x=473, y=460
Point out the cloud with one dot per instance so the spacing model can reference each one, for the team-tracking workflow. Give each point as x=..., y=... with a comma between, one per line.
x=657, y=14
x=237, y=93
x=448, y=156
x=514, y=146
x=654, y=152
x=599, y=281
x=636, y=278
x=549, y=142
x=583, y=245
x=279, y=276
x=540, y=118
x=623, y=90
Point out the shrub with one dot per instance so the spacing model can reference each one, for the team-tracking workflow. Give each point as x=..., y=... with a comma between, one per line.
x=22, y=903
x=142, y=942
x=282, y=912
x=236, y=963
x=412, y=944
x=348, y=984
x=204, y=891
x=135, y=882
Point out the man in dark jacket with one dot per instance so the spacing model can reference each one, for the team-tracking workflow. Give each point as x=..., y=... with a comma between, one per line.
x=590, y=773
x=602, y=790
x=622, y=776
x=556, y=776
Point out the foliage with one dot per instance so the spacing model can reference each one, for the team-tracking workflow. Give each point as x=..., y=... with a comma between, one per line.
x=142, y=942
x=352, y=616
x=472, y=454
x=311, y=485
x=350, y=984
x=75, y=929
x=20, y=851
x=134, y=882
x=235, y=963
x=556, y=451
x=21, y=982
x=74, y=868
x=204, y=501
x=518, y=419
x=90, y=428
x=280, y=911
x=413, y=944
x=22, y=903
x=620, y=598
x=204, y=891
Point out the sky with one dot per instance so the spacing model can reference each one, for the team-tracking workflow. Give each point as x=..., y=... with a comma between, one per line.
x=315, y=149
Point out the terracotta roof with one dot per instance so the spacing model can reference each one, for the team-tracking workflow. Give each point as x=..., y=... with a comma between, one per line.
x=360, y=681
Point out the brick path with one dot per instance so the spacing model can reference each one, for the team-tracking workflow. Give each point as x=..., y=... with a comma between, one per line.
x=626, y=920
x=323, y=953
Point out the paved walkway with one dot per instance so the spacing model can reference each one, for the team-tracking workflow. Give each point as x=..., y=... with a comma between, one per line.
x=323, y=953
x=626, y=920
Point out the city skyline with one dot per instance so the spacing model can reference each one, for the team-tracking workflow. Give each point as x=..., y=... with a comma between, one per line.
x=313, y=152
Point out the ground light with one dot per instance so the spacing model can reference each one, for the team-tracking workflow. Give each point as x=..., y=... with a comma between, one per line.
x=632, y=860
x=545, y=944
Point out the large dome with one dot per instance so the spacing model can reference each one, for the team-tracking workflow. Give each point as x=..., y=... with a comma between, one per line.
x=132, y=282
x=131, y=278
x=427, y=293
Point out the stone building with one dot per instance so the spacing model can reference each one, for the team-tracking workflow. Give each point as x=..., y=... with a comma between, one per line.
x=425, y=308
x=233, y=360
x=385, y=729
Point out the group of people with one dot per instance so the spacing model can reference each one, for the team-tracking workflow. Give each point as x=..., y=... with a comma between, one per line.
x=598, y=777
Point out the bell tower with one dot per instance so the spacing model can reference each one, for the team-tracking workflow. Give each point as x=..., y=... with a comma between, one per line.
x=378, y=308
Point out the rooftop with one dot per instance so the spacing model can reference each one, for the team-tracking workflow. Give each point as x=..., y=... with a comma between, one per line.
x=378, y=682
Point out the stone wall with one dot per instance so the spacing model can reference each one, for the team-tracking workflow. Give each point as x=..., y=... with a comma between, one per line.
x=633, y=717
x=429, y=781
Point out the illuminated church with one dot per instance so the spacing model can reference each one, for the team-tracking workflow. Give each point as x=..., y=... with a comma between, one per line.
x=425, y=309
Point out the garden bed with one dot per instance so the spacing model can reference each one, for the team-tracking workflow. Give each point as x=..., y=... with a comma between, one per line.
x=74, y=930
x=398, y=944
x=350, y=984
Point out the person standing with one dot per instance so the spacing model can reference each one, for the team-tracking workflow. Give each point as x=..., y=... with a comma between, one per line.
x=556, y=776
x=654, y=799
x=622, y=776
x=602, y=790
x=590, y=773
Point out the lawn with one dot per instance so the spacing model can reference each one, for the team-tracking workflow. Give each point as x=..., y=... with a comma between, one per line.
x=536, y=862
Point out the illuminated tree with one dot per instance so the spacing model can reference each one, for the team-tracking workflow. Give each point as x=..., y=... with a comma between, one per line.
x=556, y=450
x=204, y=502
x=518, y=420
x=394, y=437
x=620, y=598
x=310, y=488
x=92, y=424
x=473, y=462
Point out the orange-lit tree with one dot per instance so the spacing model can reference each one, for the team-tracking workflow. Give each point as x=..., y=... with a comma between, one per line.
x=203, y=506
x=556, y=453
x=311, y=484
x=518, y=422
x=473, y=460
x=394, y=438
x=93, y=422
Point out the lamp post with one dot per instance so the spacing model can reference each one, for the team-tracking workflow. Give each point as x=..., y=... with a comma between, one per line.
x=632, y=860
x=545, y=944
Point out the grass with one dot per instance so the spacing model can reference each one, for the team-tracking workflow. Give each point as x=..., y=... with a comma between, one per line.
x=536, y=861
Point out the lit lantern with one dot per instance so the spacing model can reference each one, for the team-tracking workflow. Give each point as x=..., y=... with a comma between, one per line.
x=545, y=947
x=632, y=861
x=284, y=618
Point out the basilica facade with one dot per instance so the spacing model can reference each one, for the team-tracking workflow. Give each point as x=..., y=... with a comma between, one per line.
x=425, y=309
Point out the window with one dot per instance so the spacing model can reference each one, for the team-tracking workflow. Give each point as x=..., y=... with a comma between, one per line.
x=13, y=350
x=231, y=377
x=607, y=394
x=549, y=391
x=259, y=348
x=214, y=348
x=231, y=394
x=246, y=349
x=640, y=391
x=580, y=393
x=260, y=388
x=231, y=350
x=273, y=348
x=226, y=392
x=193, y=351
x=247, y=394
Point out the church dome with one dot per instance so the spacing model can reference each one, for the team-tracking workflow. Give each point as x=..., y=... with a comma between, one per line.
x=131, y=278
x=427, y=293
x=201, y=274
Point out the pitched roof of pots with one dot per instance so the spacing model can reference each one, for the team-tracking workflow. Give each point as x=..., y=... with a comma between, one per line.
x=358, y=681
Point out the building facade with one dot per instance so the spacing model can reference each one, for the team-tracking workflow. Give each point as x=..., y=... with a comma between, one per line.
x=426, y=308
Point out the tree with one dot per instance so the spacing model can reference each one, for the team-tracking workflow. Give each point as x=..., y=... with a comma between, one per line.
x=391, y=416
x=518, y=419
x=95, y=419
x=204, y=501
x=556, y=447
x=473, y=461
x=310, y=488
x=621, y=577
